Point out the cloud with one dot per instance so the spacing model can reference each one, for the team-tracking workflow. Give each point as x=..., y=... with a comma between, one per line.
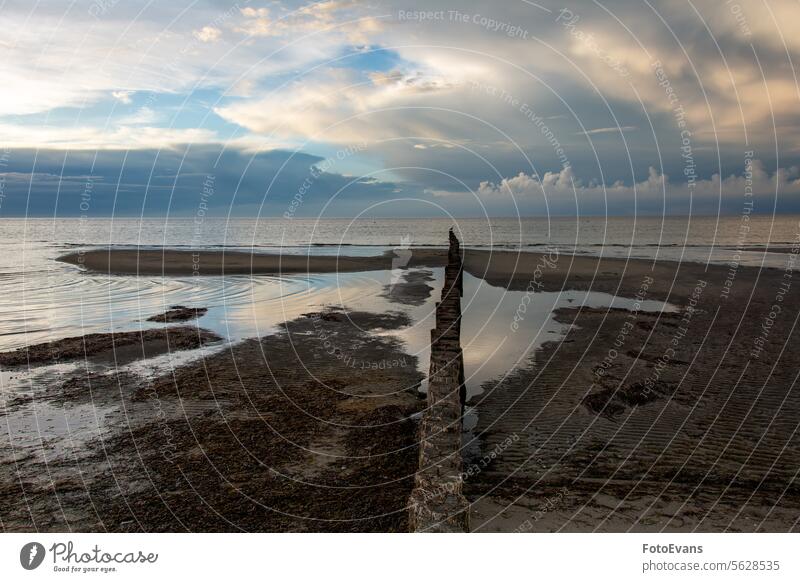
x=337, y=107
x=153, y=182
x=45, y=178
x=610, y=130
x=333, y=16
x=526, y=185
x=142, y=116
x=60, y=62
x=34, y=94
x=654, y=193
x=122, y=96
x=121, y=137
x=208, y=34
x=704, y=62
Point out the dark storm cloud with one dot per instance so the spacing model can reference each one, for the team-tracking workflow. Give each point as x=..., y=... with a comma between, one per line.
x=176, y=181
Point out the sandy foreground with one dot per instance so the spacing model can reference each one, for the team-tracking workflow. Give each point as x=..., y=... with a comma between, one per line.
x=276, y=434
x=635, y=421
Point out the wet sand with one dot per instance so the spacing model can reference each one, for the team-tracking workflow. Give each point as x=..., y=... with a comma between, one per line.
x=648, y=422
x=277, y=434
x=178, y=313
x=411, y=288
x=121, y=347
x=182, y=263
x=512, y=269
x=634, y=421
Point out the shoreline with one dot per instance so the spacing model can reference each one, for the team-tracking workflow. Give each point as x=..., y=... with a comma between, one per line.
x=173, y=262
x=506, y=268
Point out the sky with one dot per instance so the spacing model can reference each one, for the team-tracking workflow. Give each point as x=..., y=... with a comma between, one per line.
x=399, y=108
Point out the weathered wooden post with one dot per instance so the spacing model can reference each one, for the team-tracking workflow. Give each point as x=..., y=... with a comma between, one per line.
x=437, y=503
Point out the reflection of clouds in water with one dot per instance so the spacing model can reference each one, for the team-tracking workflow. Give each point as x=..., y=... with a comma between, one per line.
x=492, y=350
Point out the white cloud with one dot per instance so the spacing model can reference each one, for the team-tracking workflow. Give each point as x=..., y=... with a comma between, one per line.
x=142, y=116
x=122, y=96
x=61, y=62
x=93, y=138
x=207, y=34
x=335, y=106
x=340, y=17
x=565, y=183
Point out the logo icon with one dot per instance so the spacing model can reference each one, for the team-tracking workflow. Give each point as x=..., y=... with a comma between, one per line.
x=31, y=555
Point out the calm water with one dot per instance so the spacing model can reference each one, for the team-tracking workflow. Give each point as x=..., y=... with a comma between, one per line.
x=44, y=299
x=582, y=234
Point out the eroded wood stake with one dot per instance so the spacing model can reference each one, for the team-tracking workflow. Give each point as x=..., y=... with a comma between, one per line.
x=437, y=503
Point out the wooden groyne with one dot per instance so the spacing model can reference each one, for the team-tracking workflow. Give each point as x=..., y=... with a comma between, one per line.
x=437, y=503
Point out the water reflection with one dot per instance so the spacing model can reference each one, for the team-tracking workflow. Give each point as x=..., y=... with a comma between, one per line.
x=492, y=349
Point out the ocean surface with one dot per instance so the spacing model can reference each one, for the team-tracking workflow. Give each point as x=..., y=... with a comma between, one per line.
x=696, y=238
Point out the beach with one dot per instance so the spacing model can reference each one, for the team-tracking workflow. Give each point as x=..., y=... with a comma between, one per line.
x=634, y=419
x=177, y=462
x=681, y=421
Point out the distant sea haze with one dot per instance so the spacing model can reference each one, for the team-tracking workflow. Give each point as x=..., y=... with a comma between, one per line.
x=728, y=231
